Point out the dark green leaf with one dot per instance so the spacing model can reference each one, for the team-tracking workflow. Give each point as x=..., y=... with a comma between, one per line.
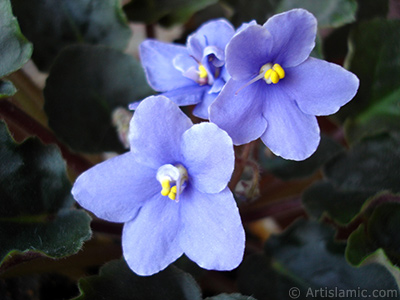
x=35, y=206
x=341, y=206
x=7, y=89
x=116, y=281
x=230, y=297
x=381, y=116
x=353, y=177
x=374, y=59
x=371, y=165
x=53, y=25
x=307, y=252
x=378, y=233
x=304, y=262
x=359, y=246
x=85, y=85
x=287, y=169
x=171, y=11
x=245, y=11
x=15, y=50
x=261, y=278
x=368, y=9
x=329, y=13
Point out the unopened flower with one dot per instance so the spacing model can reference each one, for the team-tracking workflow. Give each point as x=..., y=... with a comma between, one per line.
x=194, y=74
x=170, y=190
x=276, y=89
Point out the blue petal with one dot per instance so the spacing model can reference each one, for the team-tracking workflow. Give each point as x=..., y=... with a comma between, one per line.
x=247, y=52
x=155, y=132
x=184, y=62
x=157, y=60
x=116, y=189
x=217, y=86
x=245, y=25
x=187, y=95
x=217, y=52
x=201, y=109
x=215, y=33
x=150, y=242
x=240, y=113
x=319, y=87
x=294, y=36
x=213, y=234
x=208, y=157
x=291, y=133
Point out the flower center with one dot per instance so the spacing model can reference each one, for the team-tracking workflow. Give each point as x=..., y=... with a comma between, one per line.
x=172, y=179
x=203, y=75
x=272, y=73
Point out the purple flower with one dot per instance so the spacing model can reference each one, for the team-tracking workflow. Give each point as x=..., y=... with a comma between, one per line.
x=276, y=89
x=189, y=75
x=170, y=190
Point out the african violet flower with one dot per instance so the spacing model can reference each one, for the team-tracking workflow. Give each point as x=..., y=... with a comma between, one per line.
x=194, y=74
x=276, y=89
x=170, y=190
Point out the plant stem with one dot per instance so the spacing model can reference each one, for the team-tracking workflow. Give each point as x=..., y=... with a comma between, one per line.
x=240, y=164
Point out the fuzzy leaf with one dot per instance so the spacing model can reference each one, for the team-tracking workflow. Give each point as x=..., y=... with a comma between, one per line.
x=35, y=206
x=306, y=257
x=15, y=50
x=349, y=184
x=116, y=281
x=85, y=85
x=374, y=59
x=168, y=12
x=329, y=13
x=7, y=89
x=53, y=25
x=288, y=169
x=379, y=232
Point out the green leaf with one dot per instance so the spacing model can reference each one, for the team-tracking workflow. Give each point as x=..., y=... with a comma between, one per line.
x=341, y=206
x=288, y=169
x=261, y=278
x=353, y=177
x=53, y=25
x=359, y=247
x=7, y=89
x=306, y=259
x=245, y=11
x=329, y=13
x=116, y=281
x=369, y=9
x=378, y=233
x=230, y=297
x=374, y=59
x=169, y=12
x=85, y=85
x=370, y=166
x=15, y=50
x=35, y=206
x=379, y=117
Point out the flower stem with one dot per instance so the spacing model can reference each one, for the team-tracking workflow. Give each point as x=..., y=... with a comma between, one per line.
x=240, y=164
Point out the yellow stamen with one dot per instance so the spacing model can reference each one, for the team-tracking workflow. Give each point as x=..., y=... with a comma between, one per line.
x=166, y=187
x=278, y=69
x=267, y=74
x=273, y=73
x=172, y=193
x=274, y=77
x=202, y=72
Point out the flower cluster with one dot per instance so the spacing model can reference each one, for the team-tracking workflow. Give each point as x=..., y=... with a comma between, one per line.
x=170, y=189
